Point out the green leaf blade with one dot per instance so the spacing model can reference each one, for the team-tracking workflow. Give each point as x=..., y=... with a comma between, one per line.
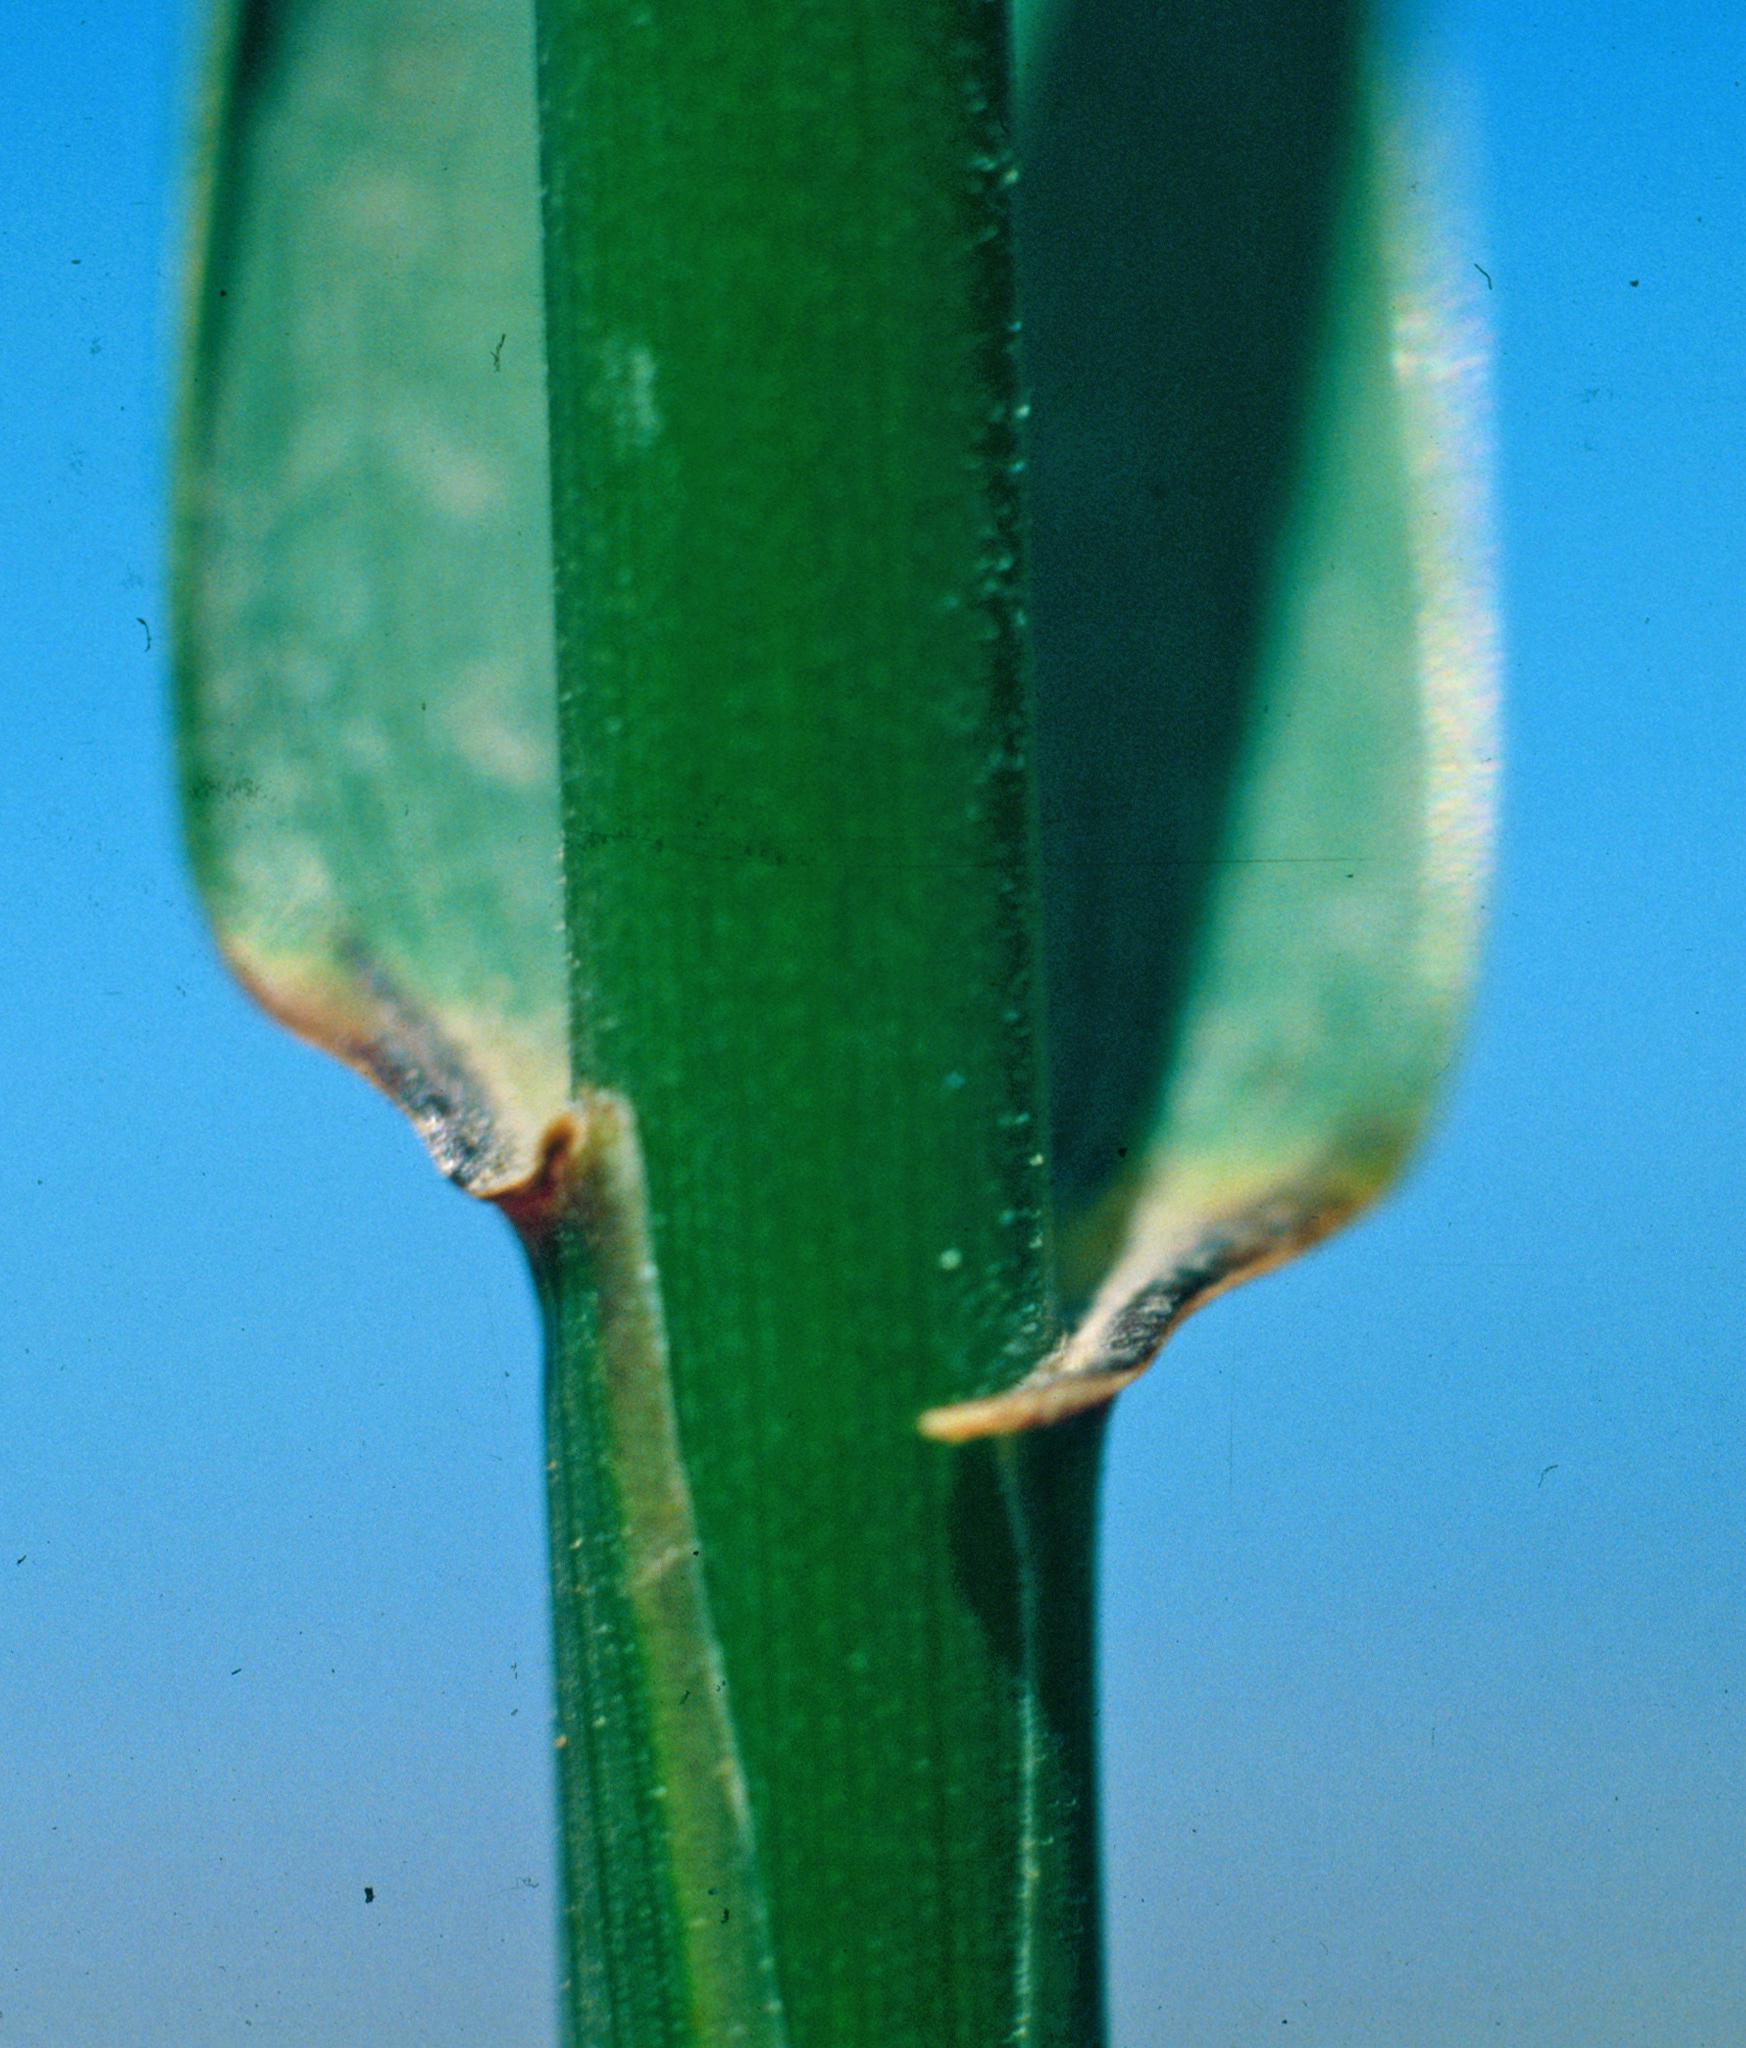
x=1335, y=967
x=363, y=571
x=1337, y=920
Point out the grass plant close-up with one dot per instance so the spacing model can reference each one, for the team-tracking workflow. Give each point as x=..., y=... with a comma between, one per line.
x=852, y=652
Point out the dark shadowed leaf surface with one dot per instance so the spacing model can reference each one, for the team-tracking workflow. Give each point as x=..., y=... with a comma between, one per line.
x=1267, y=782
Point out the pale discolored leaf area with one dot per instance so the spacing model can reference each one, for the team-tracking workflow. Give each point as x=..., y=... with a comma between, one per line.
x=366, y=724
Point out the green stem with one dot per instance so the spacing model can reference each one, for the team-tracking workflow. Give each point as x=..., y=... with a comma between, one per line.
x=1049, y=1481
x=666, y=1934
x=801, y=911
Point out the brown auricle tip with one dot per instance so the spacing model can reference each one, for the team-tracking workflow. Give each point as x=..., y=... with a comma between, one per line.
x=534, y=1205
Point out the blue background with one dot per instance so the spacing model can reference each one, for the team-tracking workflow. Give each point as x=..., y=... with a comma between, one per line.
x=1424, y=1652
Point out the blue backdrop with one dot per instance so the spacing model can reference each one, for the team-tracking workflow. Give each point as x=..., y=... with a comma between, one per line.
x=1424, y=1665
